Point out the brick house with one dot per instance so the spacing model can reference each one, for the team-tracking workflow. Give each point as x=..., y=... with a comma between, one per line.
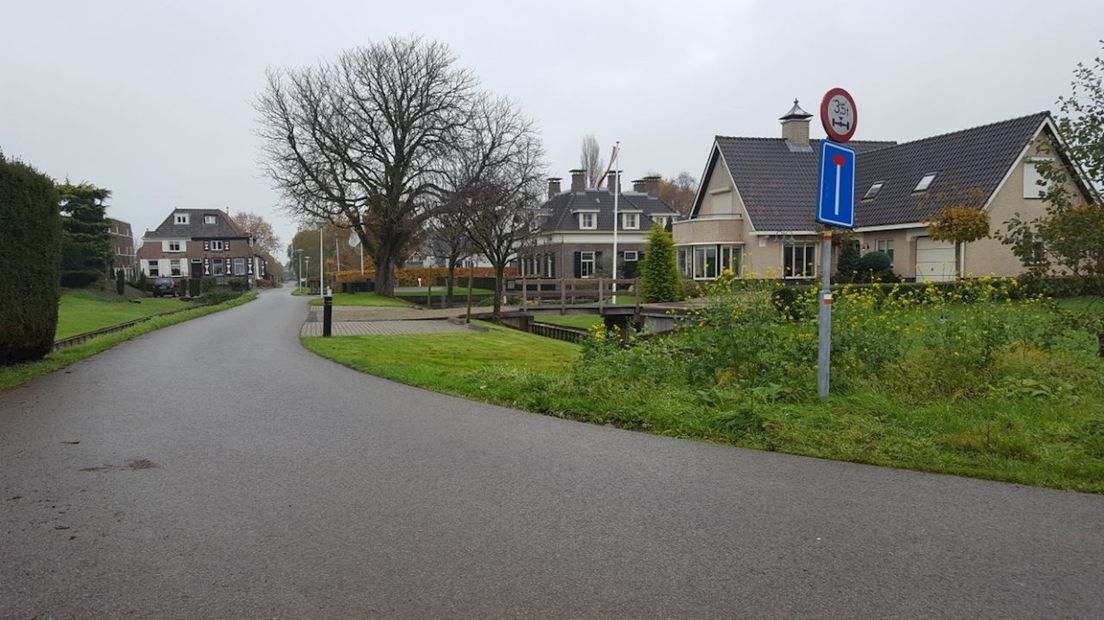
x=754, y=211
x=576, y=232
x=197, y=243
x=122, y=247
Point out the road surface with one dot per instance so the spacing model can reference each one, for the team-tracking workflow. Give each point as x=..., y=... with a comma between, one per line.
x=224, y=472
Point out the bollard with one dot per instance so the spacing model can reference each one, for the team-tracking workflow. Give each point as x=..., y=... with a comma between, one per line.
x=327, y=313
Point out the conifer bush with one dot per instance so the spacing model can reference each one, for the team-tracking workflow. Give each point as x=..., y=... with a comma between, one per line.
x=30, y=262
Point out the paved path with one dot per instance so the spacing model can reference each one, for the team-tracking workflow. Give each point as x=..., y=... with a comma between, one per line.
x=224, y=472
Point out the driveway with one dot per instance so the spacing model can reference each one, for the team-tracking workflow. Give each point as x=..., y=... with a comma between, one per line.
x=215, y=469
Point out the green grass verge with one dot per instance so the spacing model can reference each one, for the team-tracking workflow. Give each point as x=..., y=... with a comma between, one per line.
x=363, y=299
x=83, y=311
x=17, y=374
x=1030, y=441
x=578, y=321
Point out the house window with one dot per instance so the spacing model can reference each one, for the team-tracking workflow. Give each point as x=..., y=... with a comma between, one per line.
x=210, y=219
x=217, y=267
x=660, y=221
x=218, y=245
x=154, y=268
x=630, y=221
x=586, y=264
x=1034, y=183
x=239, y=266
x=174, y=267
x=925, y=183
x=885, y=245
x=798, y=261
x=181, y=218
x=630, y=256
x=873, y=191
x=731, y=258
x=587, y=221
x=174, y=246
x=705, y=262
x=684, y=262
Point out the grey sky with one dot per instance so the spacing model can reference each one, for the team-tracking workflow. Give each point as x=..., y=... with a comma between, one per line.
x=153, y=99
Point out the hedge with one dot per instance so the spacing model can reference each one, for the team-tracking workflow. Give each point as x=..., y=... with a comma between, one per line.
x=30, y=262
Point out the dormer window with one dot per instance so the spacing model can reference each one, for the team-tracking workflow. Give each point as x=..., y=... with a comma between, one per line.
x=873, y=191
x=210, y=219
x=588, y=221
x=181, y=218
x=924, y=183
x=630, y=221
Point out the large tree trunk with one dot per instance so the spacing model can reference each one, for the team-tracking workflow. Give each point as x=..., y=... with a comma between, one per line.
x=500, y=287
x=385, y=272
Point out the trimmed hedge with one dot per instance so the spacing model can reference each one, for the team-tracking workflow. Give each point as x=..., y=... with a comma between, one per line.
x=30, y=262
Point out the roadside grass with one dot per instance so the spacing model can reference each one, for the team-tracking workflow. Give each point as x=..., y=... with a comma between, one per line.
x=362, y=299
x=1043, y=431
x=84, y=310
x=17, y=374
x=578, y=321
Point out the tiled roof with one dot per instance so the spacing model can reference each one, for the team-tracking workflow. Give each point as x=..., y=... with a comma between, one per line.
x=562, y=206
x=778, y=182
x=224, y=228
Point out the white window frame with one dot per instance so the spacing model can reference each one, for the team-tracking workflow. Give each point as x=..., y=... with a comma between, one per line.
x=218, y=267
x=174, y=267
x=240, y=272
x=587, y=265
x=154, y=268
x=218, y=246
x=808, y=267
x=1031, y=190
x=180, y=218
x=925, y=182
x=210, y=219
x=886, y=246
x=630, y=256
x=660, y=221
x=685, y=261
x=630, y=221
x=178, y=247
x=583, y=221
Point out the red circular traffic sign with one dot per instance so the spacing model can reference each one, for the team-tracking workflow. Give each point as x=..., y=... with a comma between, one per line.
x=838, y=115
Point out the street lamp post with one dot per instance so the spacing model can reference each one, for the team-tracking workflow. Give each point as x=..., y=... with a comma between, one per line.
x=299, y=269
x=321, y=264
x=306, y=257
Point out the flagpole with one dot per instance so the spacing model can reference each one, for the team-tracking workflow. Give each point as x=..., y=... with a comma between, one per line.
x=616, y=194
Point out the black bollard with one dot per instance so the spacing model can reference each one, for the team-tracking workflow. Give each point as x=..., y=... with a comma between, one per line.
x=327, y=314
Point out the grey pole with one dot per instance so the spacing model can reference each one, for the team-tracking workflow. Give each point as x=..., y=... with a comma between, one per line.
x=824, y=355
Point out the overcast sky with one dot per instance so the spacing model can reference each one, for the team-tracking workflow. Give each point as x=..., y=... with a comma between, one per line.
x=153, y=99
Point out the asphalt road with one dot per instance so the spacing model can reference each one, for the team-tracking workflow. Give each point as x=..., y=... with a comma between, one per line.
x=224, y=472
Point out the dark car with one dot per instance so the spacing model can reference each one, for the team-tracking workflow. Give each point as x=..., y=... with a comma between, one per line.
x=163, y=286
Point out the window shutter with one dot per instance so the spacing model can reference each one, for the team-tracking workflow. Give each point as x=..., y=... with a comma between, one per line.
x=206, y=246
x=206, y=266
x=578, y=264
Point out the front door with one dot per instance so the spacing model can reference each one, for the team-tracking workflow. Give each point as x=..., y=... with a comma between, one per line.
x=197, y=268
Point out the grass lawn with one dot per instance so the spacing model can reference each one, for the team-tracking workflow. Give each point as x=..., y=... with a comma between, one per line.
x=17, y=374
x=578, y=321
x=420, y=291
x=362, y=299
x=1014, y=435
x=453, y=363
x=84, y=310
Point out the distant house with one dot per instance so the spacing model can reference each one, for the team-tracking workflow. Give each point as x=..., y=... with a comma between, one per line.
x=122, y=245
x=197, y=243
x=576, y=233
x=754, y=210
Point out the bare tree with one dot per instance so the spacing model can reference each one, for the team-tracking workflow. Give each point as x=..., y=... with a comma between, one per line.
x=362, y=140
x=447, y=237
x=502, y=185
x=264, y=237
x=590, y=159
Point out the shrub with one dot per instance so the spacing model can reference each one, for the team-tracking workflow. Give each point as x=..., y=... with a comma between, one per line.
x=79, y=278
x=875, y=267
x=217, y=297
x=30, y=259
x=86, y=254
x=659, y=277
x=120, y=281
x=848, y=266
x=193, y=287
x=237, y=285
x=206, y=285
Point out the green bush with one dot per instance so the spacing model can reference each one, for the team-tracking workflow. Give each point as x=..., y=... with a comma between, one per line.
x=193, y=287
x=237, y=285
x=848, y=265
x=30, y=261
x=120, y=282
x=659, y=277
x=206, y=285
x=217, y=297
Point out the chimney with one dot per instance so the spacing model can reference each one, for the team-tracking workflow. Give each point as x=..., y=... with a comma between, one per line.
x=651, y=184
x=639, y=187
x=795, y=126
x=613, y=181
x=578, y=180
x=553, y=186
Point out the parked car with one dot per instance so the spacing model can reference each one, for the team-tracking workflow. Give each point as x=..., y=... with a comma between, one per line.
x=164, y=286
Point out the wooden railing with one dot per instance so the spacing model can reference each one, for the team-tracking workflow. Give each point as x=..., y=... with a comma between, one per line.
x=571, y=290
x=557, y=332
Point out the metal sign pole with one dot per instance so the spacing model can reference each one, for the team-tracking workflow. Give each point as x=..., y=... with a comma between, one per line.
x=824, y=353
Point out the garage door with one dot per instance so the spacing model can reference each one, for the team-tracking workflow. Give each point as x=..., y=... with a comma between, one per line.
x=935, y=260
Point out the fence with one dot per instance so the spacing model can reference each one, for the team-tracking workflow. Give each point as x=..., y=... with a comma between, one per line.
x=571, y=290
x=556, y=332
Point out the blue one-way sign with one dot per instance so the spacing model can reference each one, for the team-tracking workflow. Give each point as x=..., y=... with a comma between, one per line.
x=836, y=198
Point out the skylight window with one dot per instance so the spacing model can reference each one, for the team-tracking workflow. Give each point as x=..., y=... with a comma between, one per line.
x=873, y=191
x=925, y=183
